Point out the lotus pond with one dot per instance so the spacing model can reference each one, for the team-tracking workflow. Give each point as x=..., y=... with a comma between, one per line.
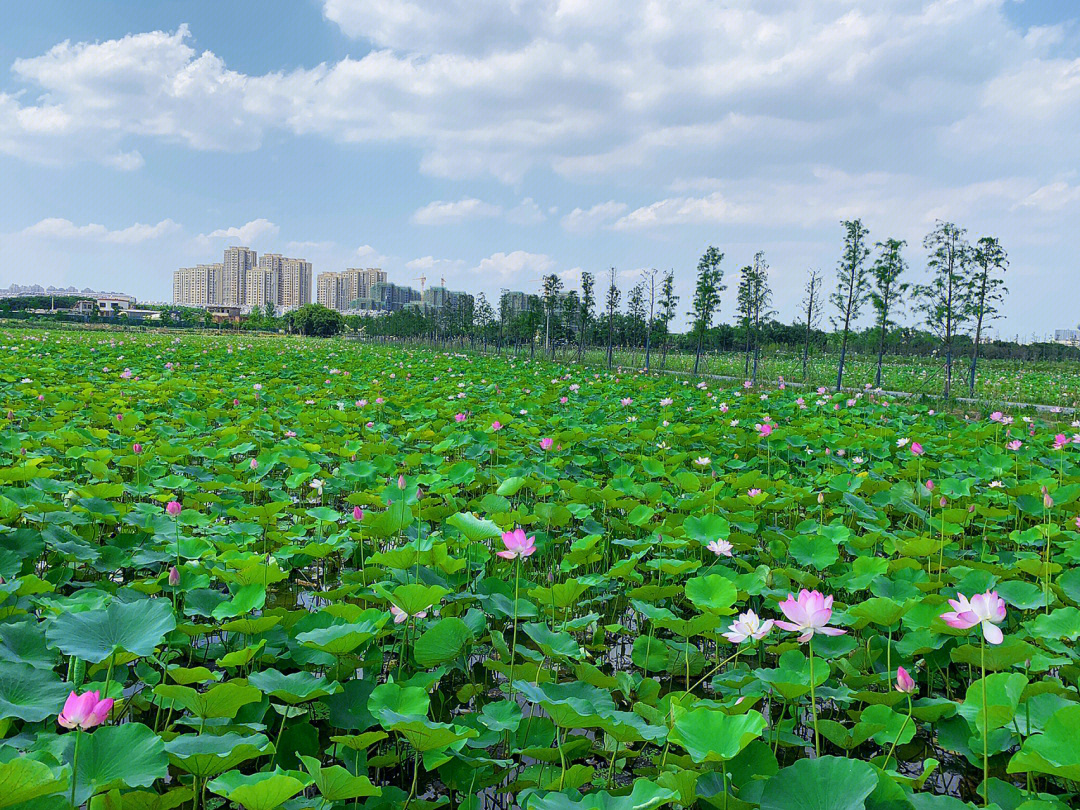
x=277, y=572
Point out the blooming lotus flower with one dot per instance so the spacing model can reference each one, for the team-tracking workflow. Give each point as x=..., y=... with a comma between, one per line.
x=985, y=609
x=459, y=417
x=808, y=614
x=721, y=548
x=400, y=616
x=496, y=425
x=1015, y=444
x=545, y=444
x=626, y=402
x=904, y=682
x=753, y=493
x=173, y=508
x=917, y=448
x=702, y=461
x=317, y=485
x=748, y=625
x=1060, y=441
x=174, y=576
x=765, y=429
x=665, y=402
x=996, y=416
x=84, y=711
x=518, y=546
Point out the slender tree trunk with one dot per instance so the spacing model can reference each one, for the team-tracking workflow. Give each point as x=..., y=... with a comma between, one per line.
x=881, y=349
x=697, y=354
x=843, y=356
x=806, y=348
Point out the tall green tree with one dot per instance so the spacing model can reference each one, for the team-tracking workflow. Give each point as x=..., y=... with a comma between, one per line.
x=550, y=290
x=810, y=312
x=989, y=263
x=483, y=316
x=706, y=303
x=636, y=315
x=668, y=302
x=569, y=308
x=588, y=304
x=945, y=299
x=851, y=286
x=887, y=294
x=613, y=296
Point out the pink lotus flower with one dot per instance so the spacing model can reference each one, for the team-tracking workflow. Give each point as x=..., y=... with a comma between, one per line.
x=1015, y=444
x=518, y=546
x=986, y=609
x=84, y=711
x=254, y=464
x=173, y=508
x=174, y=576
x=808, y=614
x=721, y=548
x=400, y=616
x=917, y=448
x=459, y=417
x=546, y=444
x=765, y=429
x=753, y=493
x=904, y=682
x=136, y=448
x=1060, y=441
x=929, y=484
x=996, y=416
x=357, y=513
x=748, y=625
x=401, y=482
x=496, y=425
x=626, y=401
x=665, y=402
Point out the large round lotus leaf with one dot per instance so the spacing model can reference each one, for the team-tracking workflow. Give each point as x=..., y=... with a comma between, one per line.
x=336, y=784
x=128, y=755
x=296, y=687
x=30, y=694
x=1055, y=752
x=259, y=791
x=710, y=735
x=645, y=795
x=825, y=783
x=222, y=700
x=94, y=635
x=446, y=640
x=206, y=755
x=23, y=779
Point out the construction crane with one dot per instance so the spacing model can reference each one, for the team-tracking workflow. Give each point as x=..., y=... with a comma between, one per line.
x=422, y=280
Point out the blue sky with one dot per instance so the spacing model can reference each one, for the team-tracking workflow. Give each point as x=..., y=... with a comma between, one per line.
x=491, y=142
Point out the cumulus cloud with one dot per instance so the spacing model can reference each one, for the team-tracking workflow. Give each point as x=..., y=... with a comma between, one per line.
x=64, y=229
x=583, y=220
x=519, y=266
x=527, y=212
x=448, y=213
x=487, y=87
x=248, y=233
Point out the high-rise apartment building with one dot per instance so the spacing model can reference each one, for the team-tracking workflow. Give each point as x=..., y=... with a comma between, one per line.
x=199, y=286
x=338, y=290
x=295, y=283
x=238, y=261
x=263, y=287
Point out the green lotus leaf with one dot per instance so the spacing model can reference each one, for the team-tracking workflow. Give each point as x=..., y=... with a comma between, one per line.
x=825, y=783
x=94, y=635
x=206, y=755
x=29, y=693
x=259, y=791
x=222, y=700
x=296, y=687
x=710, y=735
x=336, y=784
x=23, y=779
x=128, y=755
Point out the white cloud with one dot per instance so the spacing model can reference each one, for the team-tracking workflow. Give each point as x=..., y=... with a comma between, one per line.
x=488, y=87
x=247, y=234
x=448, y=213
x=1052, y=197
x=64, y=229
x=713, y=209
x=518, y=266
x=582, y=220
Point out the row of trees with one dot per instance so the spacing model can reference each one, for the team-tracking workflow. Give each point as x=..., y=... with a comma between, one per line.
x=963, y=290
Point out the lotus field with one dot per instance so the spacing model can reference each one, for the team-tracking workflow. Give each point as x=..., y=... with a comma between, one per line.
x=280, y=572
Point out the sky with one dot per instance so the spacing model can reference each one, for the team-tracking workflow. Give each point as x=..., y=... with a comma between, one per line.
x=489, y=142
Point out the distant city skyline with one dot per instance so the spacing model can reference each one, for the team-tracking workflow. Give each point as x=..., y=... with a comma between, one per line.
x=491, y=143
